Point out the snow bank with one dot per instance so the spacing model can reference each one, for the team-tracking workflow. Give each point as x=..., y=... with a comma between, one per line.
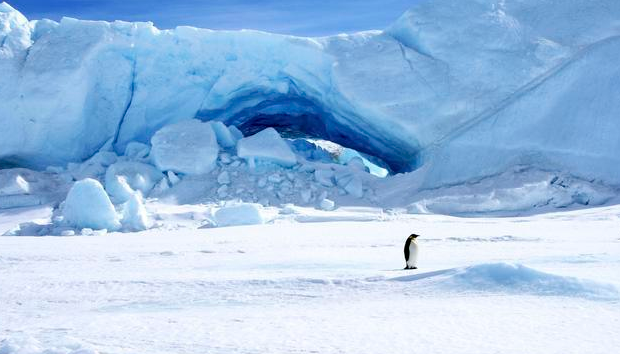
x=239, y=214
x=521, y=189
x=188, y=147
x=515, y=279
x=266, y=147
x=88, y=206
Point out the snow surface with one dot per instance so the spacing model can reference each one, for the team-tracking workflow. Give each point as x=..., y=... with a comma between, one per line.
x=539, y=284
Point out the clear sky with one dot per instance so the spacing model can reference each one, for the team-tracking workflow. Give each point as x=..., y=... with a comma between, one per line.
x=299, y=17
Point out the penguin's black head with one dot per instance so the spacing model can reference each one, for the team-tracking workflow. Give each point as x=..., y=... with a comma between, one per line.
x=413, y=236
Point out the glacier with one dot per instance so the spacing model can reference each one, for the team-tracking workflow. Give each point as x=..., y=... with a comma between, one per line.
x=450, y=94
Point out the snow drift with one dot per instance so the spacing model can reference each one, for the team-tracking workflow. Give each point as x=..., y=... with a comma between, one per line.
x=515, y=279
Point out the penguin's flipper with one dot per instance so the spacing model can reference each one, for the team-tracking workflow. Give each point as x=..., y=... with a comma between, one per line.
x=407, y=244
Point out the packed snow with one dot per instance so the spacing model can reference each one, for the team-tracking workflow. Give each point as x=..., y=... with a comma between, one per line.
x=538, y=284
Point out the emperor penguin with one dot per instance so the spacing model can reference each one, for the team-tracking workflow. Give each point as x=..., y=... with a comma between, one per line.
x=411, y=252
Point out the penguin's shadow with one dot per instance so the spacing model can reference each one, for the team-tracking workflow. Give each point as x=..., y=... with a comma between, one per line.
x=420, y=276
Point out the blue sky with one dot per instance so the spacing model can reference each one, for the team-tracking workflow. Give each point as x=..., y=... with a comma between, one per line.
x=307, y=18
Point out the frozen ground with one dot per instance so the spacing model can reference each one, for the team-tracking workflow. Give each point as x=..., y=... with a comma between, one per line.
x=538, y=284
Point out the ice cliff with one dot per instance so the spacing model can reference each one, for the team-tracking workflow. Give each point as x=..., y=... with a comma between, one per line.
x=456, y=90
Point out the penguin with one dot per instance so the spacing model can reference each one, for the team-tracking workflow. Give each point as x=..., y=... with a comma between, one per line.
x=411, y=252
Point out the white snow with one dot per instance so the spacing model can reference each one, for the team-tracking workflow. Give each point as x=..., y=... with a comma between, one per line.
x=492, y=285
x=266, y=147
x=188, y=147
x=88, y=206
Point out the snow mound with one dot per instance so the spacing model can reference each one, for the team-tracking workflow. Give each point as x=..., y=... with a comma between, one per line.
x=188, y=147
x=266, y=147
x=23, y=344
x=239, y=214
x=515, y=279
x=88, y=206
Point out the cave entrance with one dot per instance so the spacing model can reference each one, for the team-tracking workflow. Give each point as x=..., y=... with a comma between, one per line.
x=305, y=134
x=299, y=118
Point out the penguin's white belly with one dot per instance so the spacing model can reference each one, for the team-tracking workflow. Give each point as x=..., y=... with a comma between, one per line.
x=413, y=255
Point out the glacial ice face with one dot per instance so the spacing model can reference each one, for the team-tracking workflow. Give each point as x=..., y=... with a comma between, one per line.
x=421, y=91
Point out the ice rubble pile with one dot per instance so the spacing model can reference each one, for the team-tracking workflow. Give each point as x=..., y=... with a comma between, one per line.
x=468, y=88
x=197, y=162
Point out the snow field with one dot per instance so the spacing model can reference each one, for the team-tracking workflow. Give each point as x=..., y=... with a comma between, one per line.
x=507, y=285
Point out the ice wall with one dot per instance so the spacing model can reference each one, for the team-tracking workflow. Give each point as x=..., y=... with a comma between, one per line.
x=428, y=88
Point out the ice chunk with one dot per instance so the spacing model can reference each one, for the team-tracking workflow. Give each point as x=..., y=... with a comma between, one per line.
x=88, y=206
x=266, y=147
x=327, y=204
x=325, y=177
x=225, y=158
x=224, y=137
x=122, y=179
x=239, y=214
x=355, y=187
x=135, y=217
x=94, y=167
x=235, y=132
x=135, y=150
x=188, y=147
x=12, y=183
x=222, y=192
x=306, y=195
x=173, y=178
x=223, y=178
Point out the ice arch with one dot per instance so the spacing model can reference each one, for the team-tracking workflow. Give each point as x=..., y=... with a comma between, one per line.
x=295, y=114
